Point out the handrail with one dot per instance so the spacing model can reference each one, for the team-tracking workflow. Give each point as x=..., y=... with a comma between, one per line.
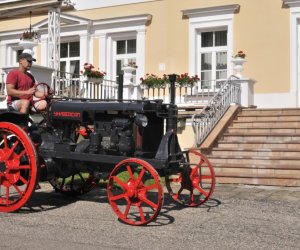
x=205, y=121
x=67, y=84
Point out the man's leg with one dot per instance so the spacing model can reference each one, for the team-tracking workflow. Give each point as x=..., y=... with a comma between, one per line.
x=21, y=105
x=40, y=105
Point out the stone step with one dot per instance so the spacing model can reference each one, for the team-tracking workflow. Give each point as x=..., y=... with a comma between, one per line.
x=265, y=124
x=258, y=181
x=286, y=111
x=263, y=118
x=287, y=131
x=267, y=160
x=259, y=144
x=257, y=173
x=237, y=151
x=262, y=137
x=256, y=166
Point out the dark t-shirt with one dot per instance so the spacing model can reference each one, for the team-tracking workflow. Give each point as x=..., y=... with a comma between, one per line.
x=21, y=81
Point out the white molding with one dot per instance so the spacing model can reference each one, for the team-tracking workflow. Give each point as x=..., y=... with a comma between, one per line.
x=294, y=49
x=211, y=11
x=92, y=4
x=292, y=3
x=197, y=23
x=111, y=29
x=112, y=23
x=272, y=100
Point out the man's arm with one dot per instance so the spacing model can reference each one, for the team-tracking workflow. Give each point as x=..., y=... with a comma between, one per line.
x=12, y=91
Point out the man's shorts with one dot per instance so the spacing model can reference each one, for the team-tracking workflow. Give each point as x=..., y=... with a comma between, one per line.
x=13, y=105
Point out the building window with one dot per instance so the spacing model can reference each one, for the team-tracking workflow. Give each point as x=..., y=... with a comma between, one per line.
x=212, y=58
x=125, y=51
x=70, y=59
x=18, y=53
x=211, y=43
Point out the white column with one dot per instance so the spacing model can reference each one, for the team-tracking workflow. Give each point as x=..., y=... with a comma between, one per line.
x=247, y=95
x=44, y=50
x=140, y=52
x=84, y=47
x=103, y=53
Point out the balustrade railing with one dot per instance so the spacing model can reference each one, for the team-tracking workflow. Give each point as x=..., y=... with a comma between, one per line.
x=2, y=87
x=205, y=121
x=199, y=92
x=76, y=86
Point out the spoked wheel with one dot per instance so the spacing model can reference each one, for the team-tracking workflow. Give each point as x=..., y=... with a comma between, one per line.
x=135, y=192
x=195, y=183
x=76, y=184
x=18, y=167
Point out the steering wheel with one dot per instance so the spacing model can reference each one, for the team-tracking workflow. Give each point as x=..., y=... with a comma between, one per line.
x=45, y=89
x=47, y=92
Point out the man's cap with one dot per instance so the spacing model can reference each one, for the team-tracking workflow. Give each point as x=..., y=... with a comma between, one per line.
x=26, y=56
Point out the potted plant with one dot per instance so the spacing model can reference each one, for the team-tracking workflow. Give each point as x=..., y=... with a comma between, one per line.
x=154, y=81
x=29, y=40
x=184, y=80
x=90, y=74
x=238, y=60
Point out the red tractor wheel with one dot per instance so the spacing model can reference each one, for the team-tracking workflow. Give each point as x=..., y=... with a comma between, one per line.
x=135, y=192
x=18, y=167
x=195, y=183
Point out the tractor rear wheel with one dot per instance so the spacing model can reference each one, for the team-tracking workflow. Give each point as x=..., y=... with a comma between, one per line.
x=18, y=167
x=195, y=183
x=76, y=184
x=135, y=192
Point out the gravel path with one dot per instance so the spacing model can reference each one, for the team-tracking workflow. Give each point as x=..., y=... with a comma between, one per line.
x=237, y=217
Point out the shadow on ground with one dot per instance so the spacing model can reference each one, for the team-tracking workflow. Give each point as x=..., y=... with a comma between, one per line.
x=48, y=199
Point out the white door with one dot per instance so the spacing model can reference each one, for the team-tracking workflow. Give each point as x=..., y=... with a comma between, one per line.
x=212, y=58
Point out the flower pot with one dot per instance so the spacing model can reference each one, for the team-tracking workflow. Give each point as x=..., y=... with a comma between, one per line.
x=28, y=46
x=86, y=78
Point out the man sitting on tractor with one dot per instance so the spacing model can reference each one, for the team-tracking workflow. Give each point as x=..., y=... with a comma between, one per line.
x=21, y=88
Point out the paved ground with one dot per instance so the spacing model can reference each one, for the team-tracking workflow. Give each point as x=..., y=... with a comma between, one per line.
x=237, y=217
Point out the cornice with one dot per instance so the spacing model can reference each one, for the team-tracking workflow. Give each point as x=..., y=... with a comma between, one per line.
x=121, y=21
x=209, y=11
x=292, y=3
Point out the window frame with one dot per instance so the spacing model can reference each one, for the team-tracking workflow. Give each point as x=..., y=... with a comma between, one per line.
x=69, y=59
x=210, y=18
x=213, y=50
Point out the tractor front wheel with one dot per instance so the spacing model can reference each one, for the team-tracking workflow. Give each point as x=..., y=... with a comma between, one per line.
x=18, y=167
x=135, y=192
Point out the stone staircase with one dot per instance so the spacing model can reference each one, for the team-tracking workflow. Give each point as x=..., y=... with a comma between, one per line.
x=260, y=147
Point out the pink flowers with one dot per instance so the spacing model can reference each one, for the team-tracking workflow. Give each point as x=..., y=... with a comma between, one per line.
x=90, y=71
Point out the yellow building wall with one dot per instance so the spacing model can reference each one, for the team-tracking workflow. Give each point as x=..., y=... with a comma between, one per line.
x=261, y=30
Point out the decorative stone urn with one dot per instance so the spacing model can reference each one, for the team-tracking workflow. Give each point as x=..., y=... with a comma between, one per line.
x=238, y=66
x=128, y=74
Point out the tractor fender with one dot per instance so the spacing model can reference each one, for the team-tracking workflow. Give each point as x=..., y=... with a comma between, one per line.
x=14, y=117
x=168, y=146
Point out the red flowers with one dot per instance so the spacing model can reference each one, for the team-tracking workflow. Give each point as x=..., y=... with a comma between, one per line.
x=90, y=71
x=240, y=54
x=154, y=81
x=185, y=79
